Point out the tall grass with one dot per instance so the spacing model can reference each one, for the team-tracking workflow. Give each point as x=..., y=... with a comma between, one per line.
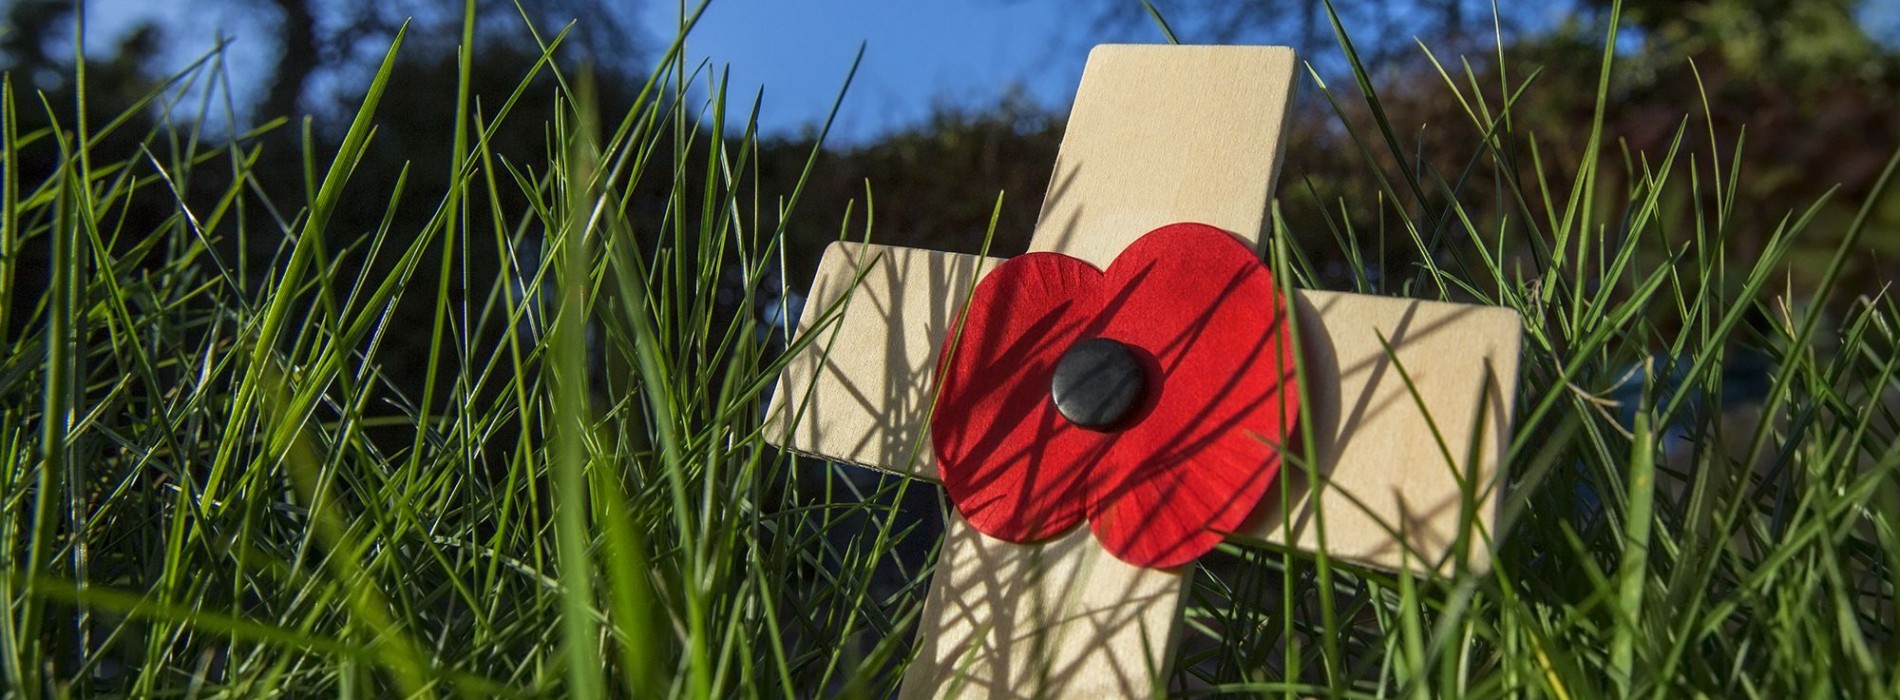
x=201, y=498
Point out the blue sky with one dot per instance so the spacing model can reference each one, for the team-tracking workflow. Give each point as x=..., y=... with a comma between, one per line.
x=916, y=54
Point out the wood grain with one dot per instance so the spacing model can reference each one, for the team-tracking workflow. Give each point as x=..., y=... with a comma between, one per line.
x=1376, y=440
x=1394, y=457
x=1059, y=619
x=861, y=391
x=1162, y=134
x=1159, y=134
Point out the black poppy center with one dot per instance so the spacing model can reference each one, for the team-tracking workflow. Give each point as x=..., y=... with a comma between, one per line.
x=1098, y=383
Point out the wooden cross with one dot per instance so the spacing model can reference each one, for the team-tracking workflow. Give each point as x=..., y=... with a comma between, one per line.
x=1158, y=135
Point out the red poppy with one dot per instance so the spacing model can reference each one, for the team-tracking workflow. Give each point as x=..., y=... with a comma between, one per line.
x=1196, y=451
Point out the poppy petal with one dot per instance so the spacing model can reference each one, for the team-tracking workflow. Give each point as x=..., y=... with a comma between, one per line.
x=1206, y=313
x=1012, y=465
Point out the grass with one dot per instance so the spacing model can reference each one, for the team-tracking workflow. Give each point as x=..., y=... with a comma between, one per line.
x=202, y=500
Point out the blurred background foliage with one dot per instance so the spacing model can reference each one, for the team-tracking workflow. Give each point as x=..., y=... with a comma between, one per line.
x=1802, y=94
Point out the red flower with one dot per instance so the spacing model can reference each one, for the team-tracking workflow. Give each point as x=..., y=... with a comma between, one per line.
x=1199, y=447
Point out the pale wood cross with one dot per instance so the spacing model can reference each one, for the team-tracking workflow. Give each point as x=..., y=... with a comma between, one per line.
x=1158, y=135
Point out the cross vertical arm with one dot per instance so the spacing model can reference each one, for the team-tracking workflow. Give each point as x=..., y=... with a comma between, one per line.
x=1158, y=134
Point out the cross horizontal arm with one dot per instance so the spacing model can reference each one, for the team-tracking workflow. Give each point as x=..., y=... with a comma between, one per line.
x=860, y=392
x=1397, y=437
